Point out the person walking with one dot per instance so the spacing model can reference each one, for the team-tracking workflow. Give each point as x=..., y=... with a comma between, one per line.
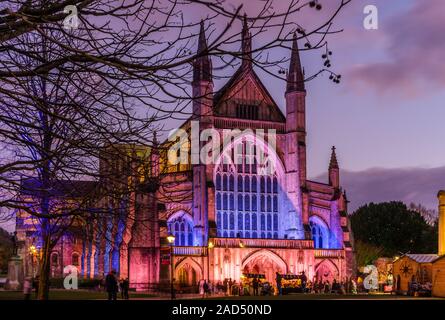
x=112, y=286
x=201, y=287
x=205, y=289
x=327, y=287
x=303, y=281
x=278, y=280
x=255, y=286
x=35, y=284
x=27, y=288
x=230, y=289
x=125, y=288
x=121, y=287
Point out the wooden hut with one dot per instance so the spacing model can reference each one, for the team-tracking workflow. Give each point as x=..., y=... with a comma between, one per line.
x=439, y=277
x=413, y=268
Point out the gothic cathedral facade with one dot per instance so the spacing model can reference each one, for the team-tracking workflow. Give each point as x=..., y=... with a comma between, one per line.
x=228, y=217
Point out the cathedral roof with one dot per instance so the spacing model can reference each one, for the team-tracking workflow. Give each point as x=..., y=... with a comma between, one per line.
x=61, y=188
x=421, y=258
x=238, y=76
x=245, y=72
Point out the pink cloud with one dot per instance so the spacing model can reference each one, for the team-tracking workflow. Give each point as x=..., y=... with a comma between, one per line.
x=414, y=48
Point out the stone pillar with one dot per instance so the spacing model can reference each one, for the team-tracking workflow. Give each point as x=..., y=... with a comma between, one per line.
x=15, y=273
x=441, y=197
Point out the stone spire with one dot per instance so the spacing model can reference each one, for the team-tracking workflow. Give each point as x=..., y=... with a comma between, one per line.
x=333, y=164
x=155, y=141
x=246, y=44
x=334, y=171
x=295, y=76
x=202, y=66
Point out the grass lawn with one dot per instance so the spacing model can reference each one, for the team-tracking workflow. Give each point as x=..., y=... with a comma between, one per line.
x=69, y=295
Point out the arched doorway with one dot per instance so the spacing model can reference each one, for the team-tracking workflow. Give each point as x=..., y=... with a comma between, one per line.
x=187, y=276
x=264, y=262
x=326, y=270
x=188, y=273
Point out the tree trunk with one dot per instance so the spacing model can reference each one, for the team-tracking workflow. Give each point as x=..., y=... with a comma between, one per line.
x=44, y=271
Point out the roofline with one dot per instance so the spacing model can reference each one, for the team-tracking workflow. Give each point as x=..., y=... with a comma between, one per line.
x=407, y=255
x=229, y=84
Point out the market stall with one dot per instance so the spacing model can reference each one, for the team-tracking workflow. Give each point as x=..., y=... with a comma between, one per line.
x=292, y=283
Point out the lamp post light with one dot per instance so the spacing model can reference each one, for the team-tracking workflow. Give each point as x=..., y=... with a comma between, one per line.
x=171, y=240
x=33, y=254
x=210, y=245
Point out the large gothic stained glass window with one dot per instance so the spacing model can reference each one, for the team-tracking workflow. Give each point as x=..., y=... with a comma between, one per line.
x=247, y=201
x=182, y=229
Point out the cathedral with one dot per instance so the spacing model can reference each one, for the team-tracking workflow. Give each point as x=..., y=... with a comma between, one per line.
x=228, y=218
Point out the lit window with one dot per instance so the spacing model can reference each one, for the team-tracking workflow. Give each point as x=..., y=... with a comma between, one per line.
x=181, y=228
x=319, y=234
x=55, y=259
x=247, y=203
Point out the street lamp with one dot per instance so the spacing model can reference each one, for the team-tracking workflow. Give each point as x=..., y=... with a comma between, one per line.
x=33, y=254
x=210, y=245
x=171, y=240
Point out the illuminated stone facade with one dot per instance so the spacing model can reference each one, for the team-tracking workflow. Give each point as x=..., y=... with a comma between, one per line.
x=230, y=218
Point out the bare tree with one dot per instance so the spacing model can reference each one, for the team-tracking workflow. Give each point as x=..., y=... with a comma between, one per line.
x=66, y=93
x=430, y=215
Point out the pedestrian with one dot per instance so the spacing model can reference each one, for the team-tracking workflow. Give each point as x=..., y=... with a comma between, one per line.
x=342, y=288
x=335, y=286
x=278, y=280
x=27, y=288
x=201, y=287
x=303, y=281
x=327, y=287
x=36, y=285
x=112, y=286
x=121, y=287
x=211, y=289
x=126, y=287
x=205, y=289
x=255, y=286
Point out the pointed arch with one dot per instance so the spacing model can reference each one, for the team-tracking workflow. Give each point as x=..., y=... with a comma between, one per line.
x=180, y=224
x=326, y=269
x=256, y=184
x=189, y=263
x=264, y=253
x=320, y=232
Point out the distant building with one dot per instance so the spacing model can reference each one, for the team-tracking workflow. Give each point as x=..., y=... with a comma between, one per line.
x=439, y=264
x=424, y=269
x=413, y=268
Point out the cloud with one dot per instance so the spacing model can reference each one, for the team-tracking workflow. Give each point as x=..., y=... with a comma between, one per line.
x=414, y=52
x=418, y=185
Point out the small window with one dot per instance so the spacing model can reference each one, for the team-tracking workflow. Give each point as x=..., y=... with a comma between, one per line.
x=75, y=259
x=55, y=259
x=247, y=111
